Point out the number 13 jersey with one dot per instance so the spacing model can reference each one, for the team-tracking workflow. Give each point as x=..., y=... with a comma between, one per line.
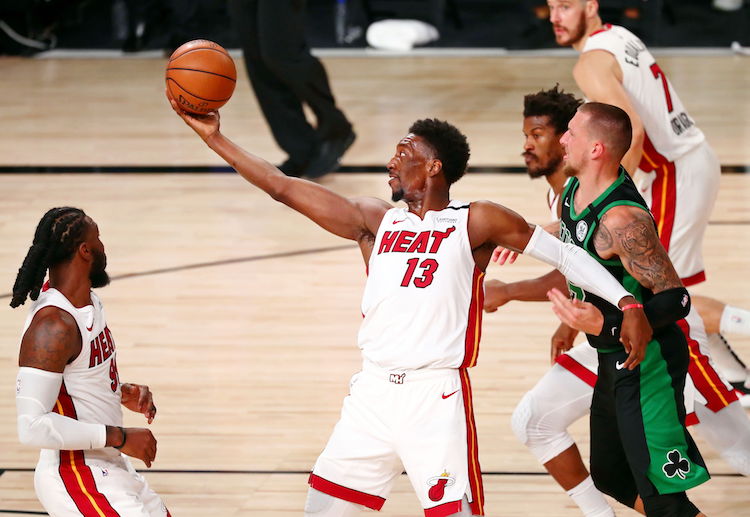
x=422, y=304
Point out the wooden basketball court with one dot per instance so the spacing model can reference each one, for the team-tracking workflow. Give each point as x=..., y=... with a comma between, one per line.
x=241, y=315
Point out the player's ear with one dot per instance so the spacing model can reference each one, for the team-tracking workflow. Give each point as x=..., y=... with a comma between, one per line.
x=84, y=251
x=591, y=8
x=597, y=150
x=434, y=167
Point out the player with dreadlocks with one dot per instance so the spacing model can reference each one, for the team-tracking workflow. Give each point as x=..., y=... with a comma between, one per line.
x=68, y=393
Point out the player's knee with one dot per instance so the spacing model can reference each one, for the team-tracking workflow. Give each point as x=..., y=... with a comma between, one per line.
x=320, y=504
x=520, y=418
x=670, y=505
x=535, y=426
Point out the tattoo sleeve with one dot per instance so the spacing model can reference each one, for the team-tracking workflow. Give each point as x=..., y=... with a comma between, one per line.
x=635, y=240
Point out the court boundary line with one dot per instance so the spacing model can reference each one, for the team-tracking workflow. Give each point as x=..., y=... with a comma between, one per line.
x=222, y=262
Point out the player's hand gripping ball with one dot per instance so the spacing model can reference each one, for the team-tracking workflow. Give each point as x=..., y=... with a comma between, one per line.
x=201, y=76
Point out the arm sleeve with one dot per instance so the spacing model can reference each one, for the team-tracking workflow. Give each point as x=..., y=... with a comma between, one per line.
x=664, y=308
x=36, y=393
x=576, y=264
x=667, y=307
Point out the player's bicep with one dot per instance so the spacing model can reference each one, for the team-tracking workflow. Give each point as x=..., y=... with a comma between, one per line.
x=596, y=74
x=495, y=225
x=629, y=233
x=51, y=341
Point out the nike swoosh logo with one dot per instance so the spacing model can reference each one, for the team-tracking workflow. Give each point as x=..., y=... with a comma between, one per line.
x=566, y=203
x=399, y=221
x=614, y=329
x=90, y=328
x=619, y=365
x=448, y=395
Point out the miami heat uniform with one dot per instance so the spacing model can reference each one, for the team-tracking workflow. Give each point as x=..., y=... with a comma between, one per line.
x=412, y=403
x=97, y=482
x=679, y=173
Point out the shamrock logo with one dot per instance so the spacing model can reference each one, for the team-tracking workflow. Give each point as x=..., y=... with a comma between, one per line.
x=676, y=466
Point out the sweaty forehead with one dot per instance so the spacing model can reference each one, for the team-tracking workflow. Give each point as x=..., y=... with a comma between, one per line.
x=409, y=140
x=417, y=143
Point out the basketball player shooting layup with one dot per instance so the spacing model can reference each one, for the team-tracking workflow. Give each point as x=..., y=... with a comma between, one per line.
x=68, y=391
x=422, y=310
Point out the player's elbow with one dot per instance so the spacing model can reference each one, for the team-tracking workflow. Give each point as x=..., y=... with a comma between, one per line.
x=25, y=429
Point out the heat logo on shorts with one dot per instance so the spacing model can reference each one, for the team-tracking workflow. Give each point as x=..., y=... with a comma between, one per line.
x=438, y=484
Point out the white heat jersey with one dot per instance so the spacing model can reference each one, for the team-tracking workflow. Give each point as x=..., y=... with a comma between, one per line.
x=90, y=390
x=667, y=123
x=423, y=300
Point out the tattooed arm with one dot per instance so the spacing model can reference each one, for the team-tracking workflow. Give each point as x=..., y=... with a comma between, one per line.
x=629, y=233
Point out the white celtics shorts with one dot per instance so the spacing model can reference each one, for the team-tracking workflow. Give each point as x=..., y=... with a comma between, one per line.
x=420, y=421
x=95, y=487
x=681, y=196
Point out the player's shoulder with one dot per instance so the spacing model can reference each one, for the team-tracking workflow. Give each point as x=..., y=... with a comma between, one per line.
x=624, y=215
x=53, y=320
x=483, y=206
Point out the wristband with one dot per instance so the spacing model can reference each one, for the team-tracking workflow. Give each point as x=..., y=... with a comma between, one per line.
x=632, y=306
x=124, y=439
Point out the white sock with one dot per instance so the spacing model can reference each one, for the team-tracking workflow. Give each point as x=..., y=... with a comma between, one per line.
x=590, y=500
x=735, y=321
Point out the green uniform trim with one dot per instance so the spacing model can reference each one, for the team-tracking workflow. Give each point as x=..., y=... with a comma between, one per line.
x=671, y=469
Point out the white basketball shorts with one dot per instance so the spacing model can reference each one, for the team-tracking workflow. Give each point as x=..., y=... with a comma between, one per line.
x=94, y=487
x=421, y=421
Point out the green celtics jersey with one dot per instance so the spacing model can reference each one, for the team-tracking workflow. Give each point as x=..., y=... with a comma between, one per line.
x=579, y=229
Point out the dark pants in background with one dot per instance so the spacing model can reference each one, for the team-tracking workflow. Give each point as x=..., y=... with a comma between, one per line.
x=285, y=75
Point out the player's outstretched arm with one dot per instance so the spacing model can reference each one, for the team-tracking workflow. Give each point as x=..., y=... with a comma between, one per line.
x=598, y=75
x=351, y=219
x=493, y=225
x=497, y=294
x=51, y=341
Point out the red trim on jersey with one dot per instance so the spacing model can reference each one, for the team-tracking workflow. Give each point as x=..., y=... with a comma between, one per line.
x=706, y=380
x=474, y=325
x=691, y=419
x=347, y=494
x=472, y=447
x=663, y=189
x=45, y=286
x=443, y=510
x=75, y=474
x=577, y=369
x=604, y=28
x=695, y=279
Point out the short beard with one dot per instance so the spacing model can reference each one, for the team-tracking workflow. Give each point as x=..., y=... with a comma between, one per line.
x=542, y=172
x=577, y=34
x=98, y=275
x=397, y=195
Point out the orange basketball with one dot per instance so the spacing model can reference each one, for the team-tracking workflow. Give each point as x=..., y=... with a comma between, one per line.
x=201, y=76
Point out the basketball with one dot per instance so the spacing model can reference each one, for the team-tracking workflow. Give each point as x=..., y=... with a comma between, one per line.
x=201, y=76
